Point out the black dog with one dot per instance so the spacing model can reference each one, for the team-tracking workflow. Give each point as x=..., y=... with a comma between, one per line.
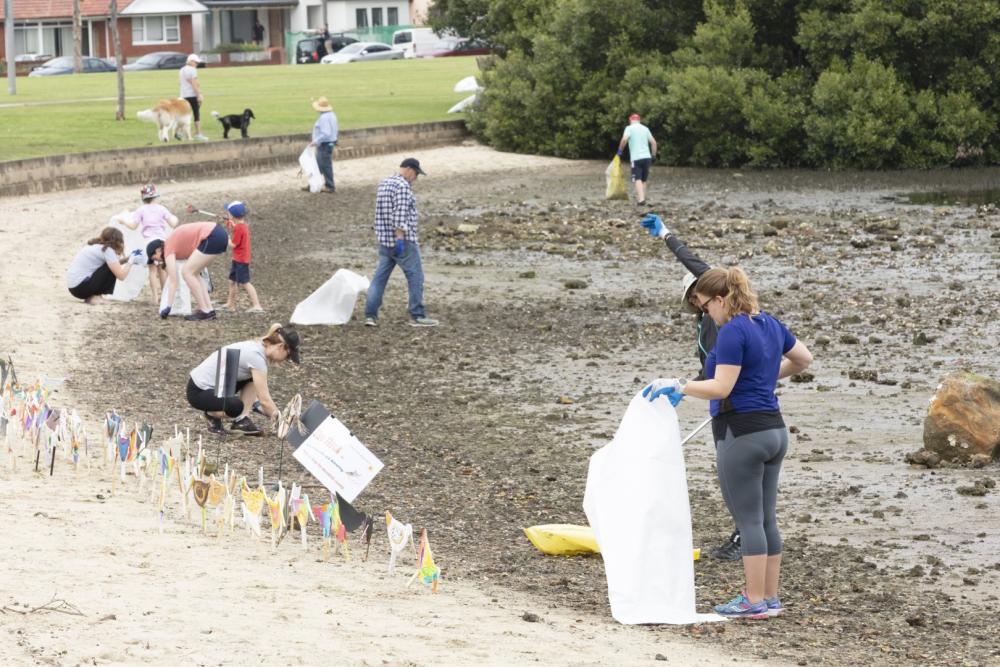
x=235, y=122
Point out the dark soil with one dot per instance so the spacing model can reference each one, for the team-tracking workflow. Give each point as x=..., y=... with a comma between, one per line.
x=559, y=294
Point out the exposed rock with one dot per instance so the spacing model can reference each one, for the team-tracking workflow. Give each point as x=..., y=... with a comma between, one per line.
x=964, y=418
x=575, y=284
x=467, y=228
x=924, y=457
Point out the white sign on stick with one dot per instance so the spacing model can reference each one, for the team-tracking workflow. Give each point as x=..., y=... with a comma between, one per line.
x=338, y=459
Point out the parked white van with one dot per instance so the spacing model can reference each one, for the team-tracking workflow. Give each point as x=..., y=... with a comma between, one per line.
x=413, y=40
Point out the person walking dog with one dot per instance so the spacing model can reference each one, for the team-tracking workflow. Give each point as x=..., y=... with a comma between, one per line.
x=191, y=91
x=753, y=351
x=396, y=233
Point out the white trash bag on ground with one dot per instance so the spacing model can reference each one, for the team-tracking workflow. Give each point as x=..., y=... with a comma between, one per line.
x=130, y=288
x=182, y=302
x=637, y=503
x=307, y=163
x=333, y=302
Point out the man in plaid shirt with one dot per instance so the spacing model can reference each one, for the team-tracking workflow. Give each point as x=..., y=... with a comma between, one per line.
x=396, y=233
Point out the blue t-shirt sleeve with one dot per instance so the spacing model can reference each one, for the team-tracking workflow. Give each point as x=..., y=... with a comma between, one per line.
x=788, y=340
x=729, y=346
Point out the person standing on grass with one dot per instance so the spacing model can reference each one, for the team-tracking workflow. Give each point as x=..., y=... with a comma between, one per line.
x=198, y=243
x=98, y=265
x=753, y=351
x=153, y=221
x=641, y=149
x=396, y=233
x=706, y=330
x=276, y=346
x=239, y=272
x=191, y=91
x=324, y=138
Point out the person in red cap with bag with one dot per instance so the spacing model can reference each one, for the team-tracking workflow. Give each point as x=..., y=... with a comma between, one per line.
x=641, y=149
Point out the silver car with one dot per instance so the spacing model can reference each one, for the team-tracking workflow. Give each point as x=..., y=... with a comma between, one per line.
x=362, y=52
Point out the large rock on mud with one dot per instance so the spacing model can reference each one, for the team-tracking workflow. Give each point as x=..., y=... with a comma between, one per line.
x=964, y=418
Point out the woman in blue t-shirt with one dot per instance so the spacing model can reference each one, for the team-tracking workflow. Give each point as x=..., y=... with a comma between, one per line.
x=752, y=352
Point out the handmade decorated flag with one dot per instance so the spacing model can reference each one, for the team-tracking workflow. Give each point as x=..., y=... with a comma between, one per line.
x=428, y=572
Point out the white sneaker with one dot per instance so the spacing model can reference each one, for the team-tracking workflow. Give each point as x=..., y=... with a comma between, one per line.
x=423, y=322
x=200, y=137
x=371, y=322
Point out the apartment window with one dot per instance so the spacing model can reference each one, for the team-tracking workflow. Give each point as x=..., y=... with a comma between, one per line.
x=314, y=16
x=361, y=18
x=392, y=13
x=156, y=30
x=376, y=16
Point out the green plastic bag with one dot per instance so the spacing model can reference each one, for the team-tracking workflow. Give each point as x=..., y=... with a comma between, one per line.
x=615, y=179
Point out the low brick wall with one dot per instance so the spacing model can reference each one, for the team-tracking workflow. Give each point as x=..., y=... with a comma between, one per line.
x=182, y=160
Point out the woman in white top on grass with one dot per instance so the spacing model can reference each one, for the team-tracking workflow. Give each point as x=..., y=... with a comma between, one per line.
x=276, y=346
x=98, y=265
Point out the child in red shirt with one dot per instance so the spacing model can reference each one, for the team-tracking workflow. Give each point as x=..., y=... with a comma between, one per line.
x=239, y=241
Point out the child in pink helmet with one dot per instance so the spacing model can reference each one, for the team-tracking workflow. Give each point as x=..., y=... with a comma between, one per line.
x=153, y=221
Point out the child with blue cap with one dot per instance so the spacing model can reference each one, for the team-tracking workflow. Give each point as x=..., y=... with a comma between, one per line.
x=239, y=242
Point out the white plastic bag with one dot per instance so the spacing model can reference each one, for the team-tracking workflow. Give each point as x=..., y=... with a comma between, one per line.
x=637, y=503
x=182, y=302
x=130, y=288
x=307, y=163
x=333, y=302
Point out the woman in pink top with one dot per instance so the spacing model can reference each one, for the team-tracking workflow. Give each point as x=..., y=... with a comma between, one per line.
x=153, y=221
x=198, y=243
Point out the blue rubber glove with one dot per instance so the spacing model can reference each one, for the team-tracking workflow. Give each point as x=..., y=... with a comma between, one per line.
x=164, y=313
x=673, y=395
x=661, y=387
x=654, y=225
x=619, y=153
x=400, y=247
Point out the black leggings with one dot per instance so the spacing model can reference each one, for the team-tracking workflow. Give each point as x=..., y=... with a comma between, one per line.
x=102, y=281
x=206, y=400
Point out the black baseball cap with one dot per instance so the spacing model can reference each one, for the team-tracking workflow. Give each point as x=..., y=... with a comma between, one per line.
x=293, y=341
x=151, y=249
x=413, y=164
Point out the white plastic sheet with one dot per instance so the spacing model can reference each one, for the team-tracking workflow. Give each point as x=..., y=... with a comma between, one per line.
x=333, y=302
x=637, y=503
x=182, y=302
x=130, y=288
x=307, y=163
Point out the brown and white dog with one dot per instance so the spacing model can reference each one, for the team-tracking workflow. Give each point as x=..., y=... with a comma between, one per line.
x=172, y=116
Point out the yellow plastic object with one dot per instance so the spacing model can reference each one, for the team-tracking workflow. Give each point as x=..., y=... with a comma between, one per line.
x=563, y=539
x=566, y=539
x=614, y=178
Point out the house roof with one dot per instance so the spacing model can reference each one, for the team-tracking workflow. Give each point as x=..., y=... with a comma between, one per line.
x=248, y=4
x=57, y=9
x=154, y=7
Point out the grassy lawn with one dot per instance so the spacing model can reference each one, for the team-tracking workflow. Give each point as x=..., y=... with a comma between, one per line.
x=76, y=113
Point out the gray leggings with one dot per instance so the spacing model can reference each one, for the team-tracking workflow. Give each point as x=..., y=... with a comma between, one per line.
x=748, y=476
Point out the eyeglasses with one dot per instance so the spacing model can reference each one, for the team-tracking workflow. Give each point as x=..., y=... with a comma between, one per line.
x=704, y=304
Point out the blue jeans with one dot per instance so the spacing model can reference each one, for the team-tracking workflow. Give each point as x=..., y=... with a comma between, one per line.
x=324, y=160
x=409, y=262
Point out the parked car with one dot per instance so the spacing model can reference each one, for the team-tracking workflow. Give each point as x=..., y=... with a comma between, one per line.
x=413, y=41
x=457, y=47
x=64, y=65
x=307, y=50
x=363, y=52
x=159, y=60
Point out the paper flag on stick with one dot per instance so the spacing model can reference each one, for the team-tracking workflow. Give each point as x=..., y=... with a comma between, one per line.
x=428, y=572
x=399, y=534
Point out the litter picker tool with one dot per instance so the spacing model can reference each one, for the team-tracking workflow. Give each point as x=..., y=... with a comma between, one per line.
x=695, y=431
x=191, y=209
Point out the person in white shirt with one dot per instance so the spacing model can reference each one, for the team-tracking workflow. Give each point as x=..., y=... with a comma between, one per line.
x=98, y=265
x=276, y=346
x=191, y=91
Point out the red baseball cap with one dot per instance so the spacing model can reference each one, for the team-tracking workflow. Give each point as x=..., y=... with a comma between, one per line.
x=634, y=117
